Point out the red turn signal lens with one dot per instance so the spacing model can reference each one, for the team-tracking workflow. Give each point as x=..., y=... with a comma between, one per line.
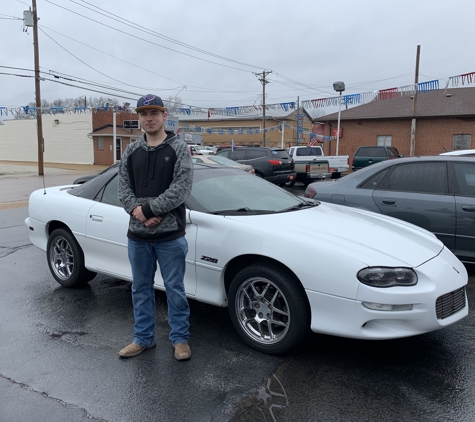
x=275, y=162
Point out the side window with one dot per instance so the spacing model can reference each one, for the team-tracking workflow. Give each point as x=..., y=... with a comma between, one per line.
x=423, y=177
x=252, y=154
x=392, y=152
x=237, y=154
x=374, y=181
x=110, y=193
x=465, y=174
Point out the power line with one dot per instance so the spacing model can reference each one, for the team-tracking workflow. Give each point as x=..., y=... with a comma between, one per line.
x=164, y=37
x=110, y=55
x=83, y=62
x=143, y=39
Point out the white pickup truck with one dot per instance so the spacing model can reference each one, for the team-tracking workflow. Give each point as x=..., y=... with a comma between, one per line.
x=306, y=155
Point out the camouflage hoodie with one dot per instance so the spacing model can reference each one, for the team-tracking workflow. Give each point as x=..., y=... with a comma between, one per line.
x=159, y=179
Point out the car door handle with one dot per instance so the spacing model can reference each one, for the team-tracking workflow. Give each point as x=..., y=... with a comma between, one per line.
x=96, y=218
x=388, y=201
x=468, y=208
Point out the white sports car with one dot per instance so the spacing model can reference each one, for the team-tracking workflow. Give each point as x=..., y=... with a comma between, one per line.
x=281, y=264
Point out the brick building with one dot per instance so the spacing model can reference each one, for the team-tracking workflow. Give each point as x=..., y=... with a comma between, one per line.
x=242, y=125
x=445, y=120
x=105, y=152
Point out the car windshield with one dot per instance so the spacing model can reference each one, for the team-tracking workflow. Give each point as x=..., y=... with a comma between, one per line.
x=218, y=190
x=240, y=194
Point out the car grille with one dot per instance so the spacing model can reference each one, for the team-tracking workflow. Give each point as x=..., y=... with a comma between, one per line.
x=450, y=303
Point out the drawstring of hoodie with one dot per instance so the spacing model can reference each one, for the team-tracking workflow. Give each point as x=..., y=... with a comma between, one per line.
x=149, y=153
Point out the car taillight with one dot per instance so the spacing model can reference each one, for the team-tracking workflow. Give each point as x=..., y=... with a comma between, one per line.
x=275, y=162
x=331, y=169
x=307, y=168
x=310, y=192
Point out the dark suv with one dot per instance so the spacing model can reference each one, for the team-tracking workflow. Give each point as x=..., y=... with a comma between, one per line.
x=272, y=164
x=365, y=156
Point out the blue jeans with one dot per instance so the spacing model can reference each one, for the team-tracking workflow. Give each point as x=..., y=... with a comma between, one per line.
x=143, y=257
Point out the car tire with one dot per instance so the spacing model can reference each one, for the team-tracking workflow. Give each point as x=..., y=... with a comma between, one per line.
x=66, y=260
x=268, y=308
x=290, y=183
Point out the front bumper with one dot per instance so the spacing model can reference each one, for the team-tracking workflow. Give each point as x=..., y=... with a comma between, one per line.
x=438, y=279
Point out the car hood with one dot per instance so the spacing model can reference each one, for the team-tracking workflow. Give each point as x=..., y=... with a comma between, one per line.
x=372, y=239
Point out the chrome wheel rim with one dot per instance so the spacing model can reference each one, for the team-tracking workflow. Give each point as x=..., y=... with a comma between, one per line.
x=61, y=258
x=262, y=310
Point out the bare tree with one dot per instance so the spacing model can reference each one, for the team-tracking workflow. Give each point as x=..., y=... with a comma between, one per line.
x=173, y=103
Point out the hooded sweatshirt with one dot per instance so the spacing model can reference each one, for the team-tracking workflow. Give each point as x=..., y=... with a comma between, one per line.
x=159, y=179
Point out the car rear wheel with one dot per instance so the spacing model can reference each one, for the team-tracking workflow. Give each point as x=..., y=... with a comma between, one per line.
x=268, y=309
x=290, y=183
x=66, y=260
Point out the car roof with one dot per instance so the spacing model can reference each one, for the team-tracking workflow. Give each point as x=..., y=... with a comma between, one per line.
x=460, y=152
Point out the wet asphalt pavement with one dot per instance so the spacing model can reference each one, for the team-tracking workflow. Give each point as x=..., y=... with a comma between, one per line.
x=59, y=362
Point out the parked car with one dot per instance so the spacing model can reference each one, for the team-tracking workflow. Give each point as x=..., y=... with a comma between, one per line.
x=436, y=193
x=205, y=150
x=280, y=263
x=365, y=156
x=465, y=152
x=305, y=156
x=272, y=164
x=222, y=161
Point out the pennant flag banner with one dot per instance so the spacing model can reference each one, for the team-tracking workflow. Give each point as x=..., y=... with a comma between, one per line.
x=347, y=100
x=428, y=86
x=465, y=79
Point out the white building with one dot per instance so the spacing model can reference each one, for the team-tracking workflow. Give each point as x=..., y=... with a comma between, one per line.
x=65, y=139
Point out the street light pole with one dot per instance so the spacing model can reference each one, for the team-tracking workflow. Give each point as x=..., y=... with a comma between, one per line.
x=282, y=140
x=338, y=87
x=338, y=126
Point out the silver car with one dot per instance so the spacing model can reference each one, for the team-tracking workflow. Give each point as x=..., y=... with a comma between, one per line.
x=436, y=193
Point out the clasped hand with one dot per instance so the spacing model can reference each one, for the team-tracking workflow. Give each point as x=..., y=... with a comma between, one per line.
x=150, y=222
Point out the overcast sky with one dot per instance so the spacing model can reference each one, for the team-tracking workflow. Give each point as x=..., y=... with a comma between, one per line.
x=207, y=52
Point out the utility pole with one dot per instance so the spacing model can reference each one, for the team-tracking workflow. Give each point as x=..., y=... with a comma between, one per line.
x=264, y=82
x=414, y=105
x=39, y=121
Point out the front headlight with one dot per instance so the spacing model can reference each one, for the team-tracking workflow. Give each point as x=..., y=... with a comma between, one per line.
x=387, y=277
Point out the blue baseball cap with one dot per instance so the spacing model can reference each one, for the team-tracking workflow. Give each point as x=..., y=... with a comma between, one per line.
x=150, y=101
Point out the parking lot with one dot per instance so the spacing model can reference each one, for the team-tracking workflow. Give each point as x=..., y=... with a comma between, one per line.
x=59, y=357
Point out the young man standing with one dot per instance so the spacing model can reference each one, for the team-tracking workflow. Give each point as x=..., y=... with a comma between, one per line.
x=155, y=178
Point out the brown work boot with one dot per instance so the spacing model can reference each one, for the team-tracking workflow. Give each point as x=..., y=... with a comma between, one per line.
x=133, y=349
x=182, y=351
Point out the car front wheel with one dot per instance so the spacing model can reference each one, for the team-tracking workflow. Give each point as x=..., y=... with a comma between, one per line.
x=66, y=260
x=268, y=309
